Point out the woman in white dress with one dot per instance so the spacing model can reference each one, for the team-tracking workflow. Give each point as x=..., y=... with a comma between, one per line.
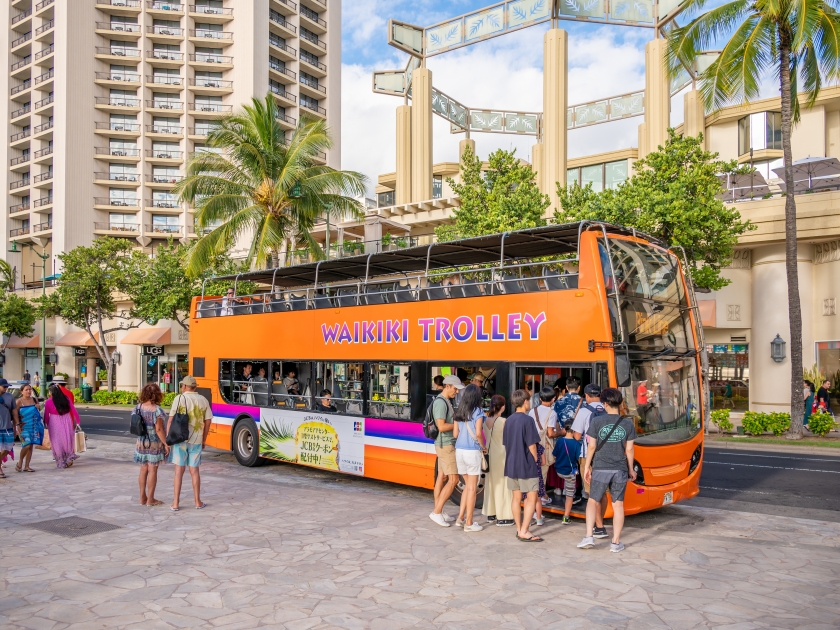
x=497, y=496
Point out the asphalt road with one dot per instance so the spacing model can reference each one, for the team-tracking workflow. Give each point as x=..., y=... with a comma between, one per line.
x=788, y=483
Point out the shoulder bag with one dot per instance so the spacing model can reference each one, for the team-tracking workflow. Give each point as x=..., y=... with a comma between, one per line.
x=179, y=428
x=548, y=443
x=484, y=464
x=139, y=428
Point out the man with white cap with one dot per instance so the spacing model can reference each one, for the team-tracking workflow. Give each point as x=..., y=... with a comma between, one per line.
x=447, y=467
x=188, y=454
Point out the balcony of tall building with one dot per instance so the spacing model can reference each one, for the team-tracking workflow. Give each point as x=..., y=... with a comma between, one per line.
x=211, y=14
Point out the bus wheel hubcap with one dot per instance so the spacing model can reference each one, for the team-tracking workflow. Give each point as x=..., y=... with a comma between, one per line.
x=246, y=442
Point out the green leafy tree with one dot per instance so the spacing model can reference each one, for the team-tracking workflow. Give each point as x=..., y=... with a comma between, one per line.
x=502, y=198
x=799, y=42
x=671, y=195
x=256, y=183
x=17, y=316
x=164, y=289
x=86, y=293
x=7, y=276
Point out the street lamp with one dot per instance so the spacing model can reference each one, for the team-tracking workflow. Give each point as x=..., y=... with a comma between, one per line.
x=777, y=349
x=44, y=258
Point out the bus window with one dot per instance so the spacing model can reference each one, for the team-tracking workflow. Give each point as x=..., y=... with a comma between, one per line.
x=483, y=376
x=537, y=377
x=291, y=384
x=225, y=378
x=245, y=382
x=644, y=271
x=344, y=381
x=389, y=391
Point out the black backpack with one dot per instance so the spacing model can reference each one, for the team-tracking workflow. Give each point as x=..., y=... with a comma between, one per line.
x=430, y=428
x=595, y=411
x=139, y=428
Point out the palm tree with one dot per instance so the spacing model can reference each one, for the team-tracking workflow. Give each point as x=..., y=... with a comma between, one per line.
x=799, y=40
x=256, y=183
x=7, y=276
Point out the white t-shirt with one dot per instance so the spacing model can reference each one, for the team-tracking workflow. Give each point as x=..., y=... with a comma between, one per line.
x=581, y=423
x=546, y=420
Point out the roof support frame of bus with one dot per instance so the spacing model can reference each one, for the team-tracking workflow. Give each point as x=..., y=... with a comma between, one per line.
x=235, y=282
x=367, y=269
x=203, y=282
x=265, y=302
x=315, y=284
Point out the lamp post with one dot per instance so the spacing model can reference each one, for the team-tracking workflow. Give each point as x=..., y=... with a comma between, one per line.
x=44, y=258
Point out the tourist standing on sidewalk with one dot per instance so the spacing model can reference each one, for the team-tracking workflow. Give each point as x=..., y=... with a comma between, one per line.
x=609, y=464
x=522, y=464
x=591, y=408
x=26, y=376
x=31, y=427
x=544, y=418
x=152, y=450
x=61, y=419
x=37, y=381
x=447, y=466
x=497, y=495
x=808, y=395
x=566, y=463
x=824, y=397
x=8, y=424
x=188, y=454
x=469, y=452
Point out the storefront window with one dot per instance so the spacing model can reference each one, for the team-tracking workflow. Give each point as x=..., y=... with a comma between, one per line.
x=729, y=375
x=828, y=362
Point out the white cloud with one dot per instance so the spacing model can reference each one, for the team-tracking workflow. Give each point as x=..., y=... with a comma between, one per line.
x=502, y=73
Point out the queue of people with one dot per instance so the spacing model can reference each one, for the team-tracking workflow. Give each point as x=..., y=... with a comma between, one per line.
x=581, y=447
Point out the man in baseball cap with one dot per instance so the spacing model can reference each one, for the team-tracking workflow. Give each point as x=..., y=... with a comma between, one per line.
x=447, y=477
x=591, y=408
x=188, y=454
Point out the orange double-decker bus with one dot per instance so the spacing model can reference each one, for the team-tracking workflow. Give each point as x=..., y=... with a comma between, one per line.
x=599, y=302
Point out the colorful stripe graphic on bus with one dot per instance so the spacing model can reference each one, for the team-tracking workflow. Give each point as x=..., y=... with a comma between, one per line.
x=396, y=430
x=327, y=441
x=496, y=327
x=231, y=412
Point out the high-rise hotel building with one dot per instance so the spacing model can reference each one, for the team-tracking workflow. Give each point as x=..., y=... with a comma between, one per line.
x=106, y=100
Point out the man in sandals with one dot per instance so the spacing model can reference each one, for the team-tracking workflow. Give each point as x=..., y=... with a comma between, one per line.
x=609, y=464
x=520, y=438
x=188, y=454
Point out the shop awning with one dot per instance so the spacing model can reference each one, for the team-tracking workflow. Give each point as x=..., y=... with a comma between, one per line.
x=79, y=338
x=24, y=342
x=708, y=312
x=148, y=336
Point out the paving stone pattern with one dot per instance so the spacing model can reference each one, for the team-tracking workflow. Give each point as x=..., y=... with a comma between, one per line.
x=286, y=547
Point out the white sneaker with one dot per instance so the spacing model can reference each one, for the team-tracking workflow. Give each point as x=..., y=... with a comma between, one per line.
x=438, y=518
x=447, y=518
x=475, y=527
x=587, y=543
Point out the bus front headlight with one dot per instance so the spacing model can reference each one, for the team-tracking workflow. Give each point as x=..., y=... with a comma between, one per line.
x=695, y=459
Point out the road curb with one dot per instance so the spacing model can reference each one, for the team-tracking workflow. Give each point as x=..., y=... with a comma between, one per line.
x=775, y=448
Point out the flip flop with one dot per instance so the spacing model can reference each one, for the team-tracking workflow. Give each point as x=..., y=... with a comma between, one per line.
x=531, y=539
x=2, y=475
x=201, y=507
x=28, y=470
x=174, y=509
x=154, y=504
x=18, y=469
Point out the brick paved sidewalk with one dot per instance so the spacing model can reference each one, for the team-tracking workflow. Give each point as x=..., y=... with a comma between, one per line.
x=287, y=547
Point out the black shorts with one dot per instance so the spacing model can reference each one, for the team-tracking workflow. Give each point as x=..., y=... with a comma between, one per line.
x=614, y=480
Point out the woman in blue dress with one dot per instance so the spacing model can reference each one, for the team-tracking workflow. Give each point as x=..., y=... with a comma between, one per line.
x=31, y=427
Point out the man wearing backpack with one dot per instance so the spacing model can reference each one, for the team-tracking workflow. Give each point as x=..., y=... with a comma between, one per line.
x=447, y=477
x=609, y=464
x=591, y=408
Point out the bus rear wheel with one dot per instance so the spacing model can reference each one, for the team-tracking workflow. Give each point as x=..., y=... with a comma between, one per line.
x=246, y=443
x=459, y=490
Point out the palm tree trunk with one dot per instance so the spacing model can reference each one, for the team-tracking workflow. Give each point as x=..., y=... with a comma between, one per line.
x=794, y=308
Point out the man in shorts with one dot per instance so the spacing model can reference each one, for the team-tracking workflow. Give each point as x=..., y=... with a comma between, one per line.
x=590, y=407
x=522, y=471
x=609, y=464
x=447, y=476
x=188, y=454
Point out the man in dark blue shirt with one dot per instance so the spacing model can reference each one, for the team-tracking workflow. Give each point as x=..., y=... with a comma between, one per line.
x=521, y=465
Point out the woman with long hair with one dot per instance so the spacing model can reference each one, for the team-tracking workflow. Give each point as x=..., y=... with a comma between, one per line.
x=31, y=427
x=151, y=450
x=469, y=452
x=497, y=496
x=61, y=419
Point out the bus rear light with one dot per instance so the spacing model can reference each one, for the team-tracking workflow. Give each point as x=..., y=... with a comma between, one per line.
x=695, y=459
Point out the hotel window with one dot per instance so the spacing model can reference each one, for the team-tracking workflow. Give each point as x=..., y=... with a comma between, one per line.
x=615, y=173
x=760, y=131
x=437, y=187
x=592, y=175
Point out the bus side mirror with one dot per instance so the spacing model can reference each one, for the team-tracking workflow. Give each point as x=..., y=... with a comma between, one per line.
x=622, y=370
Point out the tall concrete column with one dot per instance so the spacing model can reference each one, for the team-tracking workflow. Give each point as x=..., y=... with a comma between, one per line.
x=643, y=141
x=403, y=191
x=657, y=94
x=421, y=135
x=770, y=381
x=537, y=164
x=555, y=104
x=463, y=145
x=695, y=115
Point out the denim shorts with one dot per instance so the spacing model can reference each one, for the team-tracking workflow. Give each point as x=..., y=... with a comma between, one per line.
x=615, y=480
x=184, y=454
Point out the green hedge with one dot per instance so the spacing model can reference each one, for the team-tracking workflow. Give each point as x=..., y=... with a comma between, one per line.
x=117, y=397
x=821, y=423
x=720, y=418
x=77, y=394
x=168, y=398
x=756, y=422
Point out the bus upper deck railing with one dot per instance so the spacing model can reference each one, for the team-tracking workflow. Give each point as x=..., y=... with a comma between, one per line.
x=520, y=278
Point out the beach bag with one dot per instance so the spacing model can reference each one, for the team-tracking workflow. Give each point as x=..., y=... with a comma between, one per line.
x=81, y=440
x=179, y=429
x=46, y=445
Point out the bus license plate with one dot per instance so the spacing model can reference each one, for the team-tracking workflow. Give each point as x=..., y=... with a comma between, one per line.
x=667, y=498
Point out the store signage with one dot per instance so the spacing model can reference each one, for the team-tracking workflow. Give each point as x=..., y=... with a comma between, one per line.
x=154, y=351
x=79, y=352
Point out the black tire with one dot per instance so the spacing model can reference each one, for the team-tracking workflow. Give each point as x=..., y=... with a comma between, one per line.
x=245, y=443
x=459, y=488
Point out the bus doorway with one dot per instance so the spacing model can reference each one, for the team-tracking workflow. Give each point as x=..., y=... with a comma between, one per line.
x=534, y=378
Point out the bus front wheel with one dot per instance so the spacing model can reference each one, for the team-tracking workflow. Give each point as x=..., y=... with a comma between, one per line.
x=459, y=489
x=246, y=443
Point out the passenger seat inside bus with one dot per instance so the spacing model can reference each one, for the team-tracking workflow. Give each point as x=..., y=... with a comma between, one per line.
x=209, y=308
x=433, y=291
x=346, y=297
